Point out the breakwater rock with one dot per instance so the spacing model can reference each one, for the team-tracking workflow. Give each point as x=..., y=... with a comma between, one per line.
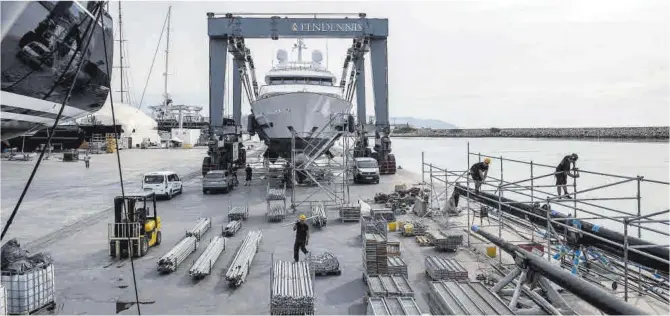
x=662, y=132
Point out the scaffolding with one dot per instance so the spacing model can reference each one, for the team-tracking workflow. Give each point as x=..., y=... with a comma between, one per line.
x=324, y=163
x=589, y=201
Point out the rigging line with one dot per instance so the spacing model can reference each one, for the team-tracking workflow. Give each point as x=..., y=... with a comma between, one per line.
x=118, y=161
x=146, y=83
x=39, y=160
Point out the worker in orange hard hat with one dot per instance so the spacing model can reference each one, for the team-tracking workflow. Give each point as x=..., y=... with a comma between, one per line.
x=479, y=171
x=301, y=237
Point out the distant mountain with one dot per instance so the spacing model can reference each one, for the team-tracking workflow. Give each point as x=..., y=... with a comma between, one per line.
x=422, y=123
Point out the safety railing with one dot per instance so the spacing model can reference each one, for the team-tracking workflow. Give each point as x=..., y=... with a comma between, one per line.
x=599, y=197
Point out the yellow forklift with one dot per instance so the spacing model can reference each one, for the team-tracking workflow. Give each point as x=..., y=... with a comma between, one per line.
x=136, y=225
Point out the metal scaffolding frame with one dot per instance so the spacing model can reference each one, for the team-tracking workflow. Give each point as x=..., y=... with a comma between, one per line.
x=618, y=270
x=330, y=177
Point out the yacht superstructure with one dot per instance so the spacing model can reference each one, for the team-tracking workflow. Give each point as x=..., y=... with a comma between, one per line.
x=43, y=45
x=300, y=97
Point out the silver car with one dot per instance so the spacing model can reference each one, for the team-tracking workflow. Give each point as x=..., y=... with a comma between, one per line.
x=217, y=180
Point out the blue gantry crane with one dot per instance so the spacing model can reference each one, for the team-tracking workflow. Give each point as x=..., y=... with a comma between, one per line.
x=227, y=33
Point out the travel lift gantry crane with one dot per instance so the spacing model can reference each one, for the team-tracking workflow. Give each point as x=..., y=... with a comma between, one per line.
x=227, y=33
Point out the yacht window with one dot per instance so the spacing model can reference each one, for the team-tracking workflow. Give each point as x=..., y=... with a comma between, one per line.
x=275, y=81
x=314, y=80
x=326, y=82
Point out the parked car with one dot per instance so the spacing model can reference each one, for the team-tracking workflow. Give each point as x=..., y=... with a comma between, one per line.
x=162, y=183
x=217, y=180
x=366, y=169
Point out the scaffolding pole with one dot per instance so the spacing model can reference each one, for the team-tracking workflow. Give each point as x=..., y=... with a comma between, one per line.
x=586, y=203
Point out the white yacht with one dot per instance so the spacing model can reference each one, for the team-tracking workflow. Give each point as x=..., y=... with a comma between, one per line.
x=301, y=96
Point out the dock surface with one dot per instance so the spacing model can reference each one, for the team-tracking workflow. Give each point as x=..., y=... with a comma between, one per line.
x=89, y=281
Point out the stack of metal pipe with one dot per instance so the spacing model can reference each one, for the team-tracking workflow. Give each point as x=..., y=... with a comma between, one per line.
x=318, y=216
x=445, y=269
x=203, y=265
x=325, y=263
x=276, y=213
x=170, y=261
x=200, y=228
x=238, y=213
x=396, y=266
x=370, y=225
x=239, y=267
x=232, y=228
x=292, y=289
x=275, y=194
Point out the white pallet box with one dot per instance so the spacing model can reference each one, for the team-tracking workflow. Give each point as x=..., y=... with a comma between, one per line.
x=30, y=291
x=3, y=300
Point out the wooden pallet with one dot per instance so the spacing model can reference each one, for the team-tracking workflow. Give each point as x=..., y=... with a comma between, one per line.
x=423, y=241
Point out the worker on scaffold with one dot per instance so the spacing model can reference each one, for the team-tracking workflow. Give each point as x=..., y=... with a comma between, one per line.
x=301, y=237
x=479, y=171
x=562, y=173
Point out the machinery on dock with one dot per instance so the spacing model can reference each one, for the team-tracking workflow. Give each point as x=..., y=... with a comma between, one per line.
x=136, y=225
x=226, y=151
x=306, y=123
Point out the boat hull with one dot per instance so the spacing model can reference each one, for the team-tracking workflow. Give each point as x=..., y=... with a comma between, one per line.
x=36, y=50
x=308, y=114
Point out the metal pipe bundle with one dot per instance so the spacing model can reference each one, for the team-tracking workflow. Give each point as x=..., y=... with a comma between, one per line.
x=276, y=194
x=292, y=289
x=513, y=208
x=441, y=269
x=239, y=267
x=200, y=228
x=170, y=261
x=203, y=265
x=318, y=215
x=323, y=263
x=232, y=228
x=588, y=292
x=238, y=213
x=464, y=298
x=276, y=213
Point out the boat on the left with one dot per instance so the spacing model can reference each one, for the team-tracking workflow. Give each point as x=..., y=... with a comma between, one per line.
x=43, y=45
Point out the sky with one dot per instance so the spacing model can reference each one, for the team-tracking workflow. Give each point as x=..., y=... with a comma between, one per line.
x=474, y=64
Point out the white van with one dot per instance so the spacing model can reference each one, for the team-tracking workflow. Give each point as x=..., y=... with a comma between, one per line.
x=162, y=183
x=366, y=169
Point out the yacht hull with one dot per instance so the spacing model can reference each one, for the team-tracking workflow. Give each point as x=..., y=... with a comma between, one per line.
x=39, y=39
x=308, y=114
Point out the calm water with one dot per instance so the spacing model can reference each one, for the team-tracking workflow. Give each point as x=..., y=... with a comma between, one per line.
x=648, y=159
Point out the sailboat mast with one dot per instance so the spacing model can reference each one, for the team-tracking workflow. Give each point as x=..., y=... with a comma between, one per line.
x=121, y=52
x=167, y=53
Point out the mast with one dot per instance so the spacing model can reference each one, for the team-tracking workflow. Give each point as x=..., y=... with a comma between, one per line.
x=300, y=45
x=167, y=53
x=121, y=52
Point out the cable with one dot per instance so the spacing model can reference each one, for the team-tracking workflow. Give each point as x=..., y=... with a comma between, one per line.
x=146, y=83
x=118, y=161
x=39, y=160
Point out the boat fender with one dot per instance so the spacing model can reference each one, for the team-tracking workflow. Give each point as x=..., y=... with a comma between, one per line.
x=595, y=228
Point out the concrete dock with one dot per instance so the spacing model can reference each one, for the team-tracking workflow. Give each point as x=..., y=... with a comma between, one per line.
x=89, y=281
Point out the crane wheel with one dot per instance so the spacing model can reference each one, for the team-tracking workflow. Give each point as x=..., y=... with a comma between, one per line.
x=159, y=237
